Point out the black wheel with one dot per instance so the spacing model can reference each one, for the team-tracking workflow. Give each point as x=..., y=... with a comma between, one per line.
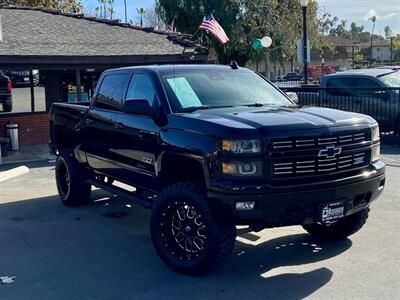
x=185, y=235
x=7, y=105
x=340, y=229
x=71, y=180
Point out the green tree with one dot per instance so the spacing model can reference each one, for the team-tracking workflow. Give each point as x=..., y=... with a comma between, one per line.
x=141, y=11
x=388, y=32
x=244, y=21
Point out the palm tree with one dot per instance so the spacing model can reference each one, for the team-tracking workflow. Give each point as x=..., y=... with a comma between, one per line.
x=141, y=11
x=373, y=20
x=111, y=8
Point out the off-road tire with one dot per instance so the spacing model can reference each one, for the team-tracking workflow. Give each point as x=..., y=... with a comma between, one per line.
x=219, y=238
x=341, y=229
x=71, y=180
x=7, y=105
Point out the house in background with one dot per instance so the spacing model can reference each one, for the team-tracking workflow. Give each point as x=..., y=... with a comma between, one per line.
x=69, y=52
x=380, y=51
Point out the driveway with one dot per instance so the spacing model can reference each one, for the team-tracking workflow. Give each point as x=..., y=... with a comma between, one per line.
x=103, y=251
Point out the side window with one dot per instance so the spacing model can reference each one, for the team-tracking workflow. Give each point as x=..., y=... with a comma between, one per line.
x=369, y=87
x=141, y=88
x=111, y=92
x=366, y=83
x=340, y=86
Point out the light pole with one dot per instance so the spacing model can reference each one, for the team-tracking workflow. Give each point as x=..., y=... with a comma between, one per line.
x=304, y=4
x=391, y=50
x=126, y=16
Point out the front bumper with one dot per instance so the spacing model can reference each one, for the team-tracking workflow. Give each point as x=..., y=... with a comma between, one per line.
x=301, y=204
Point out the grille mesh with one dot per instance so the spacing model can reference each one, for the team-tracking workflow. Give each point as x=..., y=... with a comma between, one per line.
x=301, y=167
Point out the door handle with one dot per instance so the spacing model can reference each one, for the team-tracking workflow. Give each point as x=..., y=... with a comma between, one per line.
x=119, y=126
x=146, y=134
x=88, y=121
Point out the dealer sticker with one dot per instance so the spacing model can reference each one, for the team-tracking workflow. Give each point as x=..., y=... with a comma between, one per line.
x=332, y=211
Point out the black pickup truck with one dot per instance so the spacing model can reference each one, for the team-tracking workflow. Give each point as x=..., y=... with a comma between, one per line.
x=215, y=147
x=5, y=92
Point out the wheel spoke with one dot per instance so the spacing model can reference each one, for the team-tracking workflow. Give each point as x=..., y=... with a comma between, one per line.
x=199, y=243
x=190, y=212
x=176, y=224
x=181, y=213
x=179, y=237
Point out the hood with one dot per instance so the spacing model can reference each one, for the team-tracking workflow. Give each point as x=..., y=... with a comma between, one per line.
x=272, y=118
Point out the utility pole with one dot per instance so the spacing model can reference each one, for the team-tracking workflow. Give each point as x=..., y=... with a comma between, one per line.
x=126, y=14
x=304, y=4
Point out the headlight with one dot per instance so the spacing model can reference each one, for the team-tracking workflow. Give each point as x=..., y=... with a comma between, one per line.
x=375, y=153
x=242, y=168
x=375, y=133
x=241, y=146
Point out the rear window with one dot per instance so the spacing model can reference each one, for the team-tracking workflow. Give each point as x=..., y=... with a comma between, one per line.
x=391, y=80
x=112, y=91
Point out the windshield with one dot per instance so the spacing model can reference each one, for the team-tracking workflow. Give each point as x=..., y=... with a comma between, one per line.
x=391, y=80
x=220, y=88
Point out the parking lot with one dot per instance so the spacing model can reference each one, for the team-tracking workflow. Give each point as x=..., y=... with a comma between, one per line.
x=103, y=250
x=21, y=99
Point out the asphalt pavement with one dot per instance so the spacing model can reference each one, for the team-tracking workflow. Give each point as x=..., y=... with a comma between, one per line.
x=103, y=251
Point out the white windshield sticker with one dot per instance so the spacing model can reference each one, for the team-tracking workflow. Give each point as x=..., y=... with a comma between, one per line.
x=184, y=92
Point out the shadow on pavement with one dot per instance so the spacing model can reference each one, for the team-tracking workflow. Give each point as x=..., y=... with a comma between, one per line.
x=68, y=253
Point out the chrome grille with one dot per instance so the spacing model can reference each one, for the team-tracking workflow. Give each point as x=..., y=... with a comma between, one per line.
x=310, y=142
x=289, y=167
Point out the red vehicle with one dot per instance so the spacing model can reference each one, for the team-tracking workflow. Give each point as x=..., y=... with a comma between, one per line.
x=5, y=92
x=316, y=72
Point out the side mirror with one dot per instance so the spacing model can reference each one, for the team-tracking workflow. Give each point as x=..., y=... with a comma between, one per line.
x=139, y=107
x=293, y=96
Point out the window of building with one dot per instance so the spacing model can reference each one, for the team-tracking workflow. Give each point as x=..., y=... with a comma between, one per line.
x=22, y=91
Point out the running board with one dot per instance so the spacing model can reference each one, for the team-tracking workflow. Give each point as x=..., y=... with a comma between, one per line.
x=120, y=192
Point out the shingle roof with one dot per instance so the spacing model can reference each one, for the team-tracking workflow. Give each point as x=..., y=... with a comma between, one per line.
x=44, y=32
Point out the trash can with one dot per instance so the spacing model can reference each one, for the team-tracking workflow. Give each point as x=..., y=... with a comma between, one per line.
x=12, y=134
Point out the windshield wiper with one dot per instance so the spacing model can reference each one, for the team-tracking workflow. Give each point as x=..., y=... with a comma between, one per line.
x=255, y=104
x=194, y=108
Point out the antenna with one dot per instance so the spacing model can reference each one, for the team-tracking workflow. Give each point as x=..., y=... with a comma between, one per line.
x=234, y=65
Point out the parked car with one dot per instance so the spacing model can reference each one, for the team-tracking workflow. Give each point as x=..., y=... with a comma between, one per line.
x=214, y=147
x=375, y=92
x=5, y=93
x=22, y=78
x=293, y=76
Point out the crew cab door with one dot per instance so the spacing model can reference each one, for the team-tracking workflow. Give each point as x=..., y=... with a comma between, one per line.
x=100, y=123
x=137, y=146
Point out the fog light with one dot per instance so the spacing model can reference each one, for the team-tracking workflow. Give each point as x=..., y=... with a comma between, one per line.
x=248, y=205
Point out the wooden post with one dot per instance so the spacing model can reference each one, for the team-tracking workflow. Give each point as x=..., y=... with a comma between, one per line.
x=32, y=91
x=78, y=85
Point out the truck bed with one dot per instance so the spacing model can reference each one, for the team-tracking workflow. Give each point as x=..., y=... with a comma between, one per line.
x=65, y=122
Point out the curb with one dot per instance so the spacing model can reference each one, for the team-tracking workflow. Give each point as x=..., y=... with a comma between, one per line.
x=5, y=175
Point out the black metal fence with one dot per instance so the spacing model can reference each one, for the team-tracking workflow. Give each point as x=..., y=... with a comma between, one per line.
x=383, y=104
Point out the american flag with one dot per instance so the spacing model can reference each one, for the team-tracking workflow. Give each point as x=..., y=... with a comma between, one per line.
x=170, y=26
x=211, y=25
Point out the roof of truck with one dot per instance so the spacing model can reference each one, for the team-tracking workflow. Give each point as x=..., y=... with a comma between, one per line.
x=363, y=72
x=180, y=68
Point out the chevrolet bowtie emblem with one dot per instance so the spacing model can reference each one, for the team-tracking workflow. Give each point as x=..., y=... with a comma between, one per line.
x=329, y=152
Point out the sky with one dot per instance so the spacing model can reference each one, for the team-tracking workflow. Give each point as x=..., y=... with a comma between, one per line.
x=387, y=11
